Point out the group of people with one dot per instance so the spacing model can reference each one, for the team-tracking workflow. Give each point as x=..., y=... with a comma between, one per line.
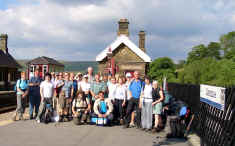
x=125, y=100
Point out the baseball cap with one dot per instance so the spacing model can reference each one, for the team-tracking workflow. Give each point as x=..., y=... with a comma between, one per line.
x=128, y=75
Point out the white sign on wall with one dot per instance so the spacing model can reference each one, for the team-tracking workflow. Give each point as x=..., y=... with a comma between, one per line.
x=212, y=95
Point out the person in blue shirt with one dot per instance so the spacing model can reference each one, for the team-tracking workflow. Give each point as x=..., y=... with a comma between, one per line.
x=34, y=94
x=135, y=89
x=65, y=97
x=21, y=92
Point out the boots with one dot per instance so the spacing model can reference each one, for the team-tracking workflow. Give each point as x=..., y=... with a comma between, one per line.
x=83, y=119
x=14, y=117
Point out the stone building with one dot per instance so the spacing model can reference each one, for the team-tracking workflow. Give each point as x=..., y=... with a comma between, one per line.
x=8, y=66
x=122, y=55
x=44, y=64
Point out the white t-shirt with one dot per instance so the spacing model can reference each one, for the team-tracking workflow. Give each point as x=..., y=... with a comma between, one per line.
x=85, y=86
x=47, y=89
x=79, y=84
x=128, y=93
x=56, y=82
x=112, y=88
x=148, y=93
x=121, y=92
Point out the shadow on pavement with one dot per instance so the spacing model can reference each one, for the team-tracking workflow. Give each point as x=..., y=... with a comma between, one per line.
x=160, y=141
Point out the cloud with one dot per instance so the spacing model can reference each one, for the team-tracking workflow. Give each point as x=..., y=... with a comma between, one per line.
x=77, y=2
x=79, y=30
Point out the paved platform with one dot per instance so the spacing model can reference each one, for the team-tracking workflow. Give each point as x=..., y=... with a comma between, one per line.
x=30, y=133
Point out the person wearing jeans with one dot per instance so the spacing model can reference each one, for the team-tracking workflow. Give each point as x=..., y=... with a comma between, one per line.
x=34, y=94
x=46, y=91
x=120, y=100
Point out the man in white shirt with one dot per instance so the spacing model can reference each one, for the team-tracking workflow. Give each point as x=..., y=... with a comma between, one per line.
x=46, y=92
x=85, y=85
x=112, y=88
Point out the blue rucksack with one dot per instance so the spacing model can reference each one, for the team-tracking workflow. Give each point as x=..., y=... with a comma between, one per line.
x=103, y=107
x=15, y=88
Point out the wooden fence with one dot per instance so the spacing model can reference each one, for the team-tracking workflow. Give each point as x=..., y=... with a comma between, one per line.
x=214, y=126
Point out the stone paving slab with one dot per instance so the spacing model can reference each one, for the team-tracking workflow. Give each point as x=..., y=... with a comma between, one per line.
x=28, y=133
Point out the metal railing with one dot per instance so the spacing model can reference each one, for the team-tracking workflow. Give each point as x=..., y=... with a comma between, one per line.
x=214, y=126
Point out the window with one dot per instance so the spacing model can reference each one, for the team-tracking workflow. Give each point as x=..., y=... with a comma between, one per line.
x=13, y=76
x=32, y=68
x=1, y=76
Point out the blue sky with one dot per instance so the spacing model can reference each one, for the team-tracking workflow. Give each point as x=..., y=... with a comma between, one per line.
x=80, y=29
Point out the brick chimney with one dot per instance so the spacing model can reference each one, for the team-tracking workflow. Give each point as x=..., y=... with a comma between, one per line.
x=123, y=27
x=3, y=43
x=142, y=40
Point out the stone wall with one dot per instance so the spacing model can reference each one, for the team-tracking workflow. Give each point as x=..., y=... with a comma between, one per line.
x=126, y=60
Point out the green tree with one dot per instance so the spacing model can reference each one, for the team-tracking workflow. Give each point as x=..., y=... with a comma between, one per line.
x=199, y=71
x=214, y=50
x=225, y=73
x=180, y=64
x=227, y=42
x=197, y=53
x=201, y=51
x=162, y=67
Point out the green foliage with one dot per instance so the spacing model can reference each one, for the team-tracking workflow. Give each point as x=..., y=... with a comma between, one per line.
x=199, y=71
x=213, y=64
x=162, y=67
x=225, y=73
x=201, y=51
x=227, y=42
x=180, y=64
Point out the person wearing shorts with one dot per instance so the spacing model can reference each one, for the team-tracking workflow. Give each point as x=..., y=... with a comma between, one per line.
x=65, y=98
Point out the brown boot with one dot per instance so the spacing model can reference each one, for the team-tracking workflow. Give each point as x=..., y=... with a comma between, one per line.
x=14, y=117
x=121, y=122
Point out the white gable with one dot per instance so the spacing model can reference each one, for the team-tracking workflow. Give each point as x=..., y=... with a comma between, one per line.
x=125, y=40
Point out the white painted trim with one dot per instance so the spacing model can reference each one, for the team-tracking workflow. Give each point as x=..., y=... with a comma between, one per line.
x=125, y=40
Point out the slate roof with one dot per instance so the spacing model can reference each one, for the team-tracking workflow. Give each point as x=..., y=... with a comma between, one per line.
x=6, y=60
x=125, y=40
x=45, y=60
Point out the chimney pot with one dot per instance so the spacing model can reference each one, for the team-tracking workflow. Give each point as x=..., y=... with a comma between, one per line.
x=3, y=43
x=123, y=27
x=142, y=40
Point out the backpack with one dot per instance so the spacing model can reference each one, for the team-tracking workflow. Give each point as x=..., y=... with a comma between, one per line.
x=167, y=97
x=76, y=100
x=15, y=88
x=103, y=107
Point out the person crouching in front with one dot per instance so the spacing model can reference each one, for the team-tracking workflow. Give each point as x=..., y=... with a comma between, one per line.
x=103, y=107
x=81, y=109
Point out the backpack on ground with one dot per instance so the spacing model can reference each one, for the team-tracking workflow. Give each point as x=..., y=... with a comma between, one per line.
x=179, y=124
x=47, y=117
